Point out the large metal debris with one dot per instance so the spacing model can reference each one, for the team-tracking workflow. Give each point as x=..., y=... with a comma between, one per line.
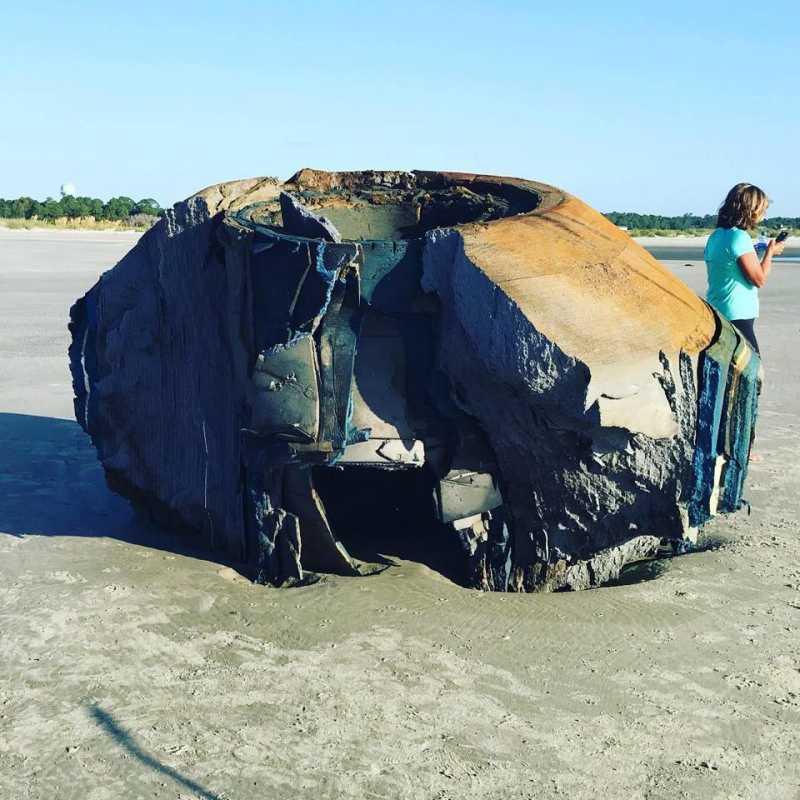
x=524, y=376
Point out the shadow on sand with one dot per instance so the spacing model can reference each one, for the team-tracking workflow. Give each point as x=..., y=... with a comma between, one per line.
x=653, y=568
x=51, y=484
x=127, y=743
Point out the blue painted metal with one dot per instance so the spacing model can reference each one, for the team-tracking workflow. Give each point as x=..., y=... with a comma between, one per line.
x=726, y=417
x=742, y=400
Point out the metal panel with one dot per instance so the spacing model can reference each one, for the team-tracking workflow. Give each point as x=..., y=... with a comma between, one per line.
x=286, y=390
x=462, y=493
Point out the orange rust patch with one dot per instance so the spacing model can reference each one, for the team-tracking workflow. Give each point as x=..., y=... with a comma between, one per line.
x=587, y=285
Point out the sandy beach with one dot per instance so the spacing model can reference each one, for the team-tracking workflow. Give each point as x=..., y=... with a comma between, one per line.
x=131, y=666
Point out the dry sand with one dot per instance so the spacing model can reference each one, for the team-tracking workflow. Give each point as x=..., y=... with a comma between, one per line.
x=128, y=671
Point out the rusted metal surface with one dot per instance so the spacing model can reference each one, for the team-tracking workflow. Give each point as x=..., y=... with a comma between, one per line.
x=541, y=382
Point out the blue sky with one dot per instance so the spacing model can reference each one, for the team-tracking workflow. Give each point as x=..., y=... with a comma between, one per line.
x=628, y=107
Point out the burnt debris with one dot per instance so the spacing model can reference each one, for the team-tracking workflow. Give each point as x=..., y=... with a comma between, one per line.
x=482, y=366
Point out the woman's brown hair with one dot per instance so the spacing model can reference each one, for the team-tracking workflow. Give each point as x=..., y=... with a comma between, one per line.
x=744, y=207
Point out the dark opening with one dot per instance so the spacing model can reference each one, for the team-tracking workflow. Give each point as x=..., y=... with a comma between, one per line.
x=365, y=211
x=378, y=514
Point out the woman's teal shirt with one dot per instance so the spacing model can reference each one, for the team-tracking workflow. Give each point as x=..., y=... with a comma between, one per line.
x=729, y=291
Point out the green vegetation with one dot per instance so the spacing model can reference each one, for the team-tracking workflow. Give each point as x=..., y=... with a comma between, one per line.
x=117, y=209
x=72, y=211
x=688, y=224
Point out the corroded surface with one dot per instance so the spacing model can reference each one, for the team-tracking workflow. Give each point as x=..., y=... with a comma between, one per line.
x=537, y=371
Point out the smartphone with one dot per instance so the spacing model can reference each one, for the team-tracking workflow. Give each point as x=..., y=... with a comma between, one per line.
x=782, y=236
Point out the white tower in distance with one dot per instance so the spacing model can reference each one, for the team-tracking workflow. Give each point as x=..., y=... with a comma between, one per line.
x=68, y=189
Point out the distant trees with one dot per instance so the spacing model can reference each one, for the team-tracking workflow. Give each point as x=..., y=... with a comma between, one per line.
x=782, y=222
x=147, y=206
x=686, y=222
x=123, y=208
x=117, y=208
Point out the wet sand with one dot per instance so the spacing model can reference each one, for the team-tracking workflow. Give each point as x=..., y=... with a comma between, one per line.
x=688, y=250
x=129, y=670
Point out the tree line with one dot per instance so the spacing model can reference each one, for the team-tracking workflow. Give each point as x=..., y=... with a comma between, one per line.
x=123, y=208
x=686, y=222
x=117, y=208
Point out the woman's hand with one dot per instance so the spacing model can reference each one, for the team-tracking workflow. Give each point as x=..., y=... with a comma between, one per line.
x=757, y=271
x=775, y=247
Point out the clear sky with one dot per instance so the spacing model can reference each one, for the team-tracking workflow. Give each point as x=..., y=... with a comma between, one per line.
x=651, y=107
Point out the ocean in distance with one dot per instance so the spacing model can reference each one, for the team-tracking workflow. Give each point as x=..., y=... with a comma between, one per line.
x=685, y=254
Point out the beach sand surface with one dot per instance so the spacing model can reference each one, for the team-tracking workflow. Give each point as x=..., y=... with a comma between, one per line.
x=132, y=667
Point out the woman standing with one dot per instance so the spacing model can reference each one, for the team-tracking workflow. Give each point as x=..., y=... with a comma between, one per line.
x=735, y=273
